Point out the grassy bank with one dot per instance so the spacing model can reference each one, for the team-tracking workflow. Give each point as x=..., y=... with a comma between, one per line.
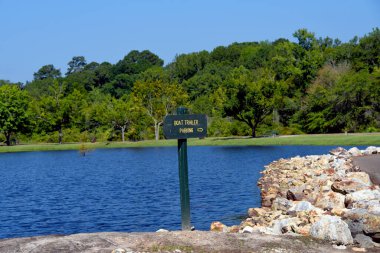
x=372, y=139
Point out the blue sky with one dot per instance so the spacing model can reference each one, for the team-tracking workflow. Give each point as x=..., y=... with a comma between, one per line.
x=39, y=32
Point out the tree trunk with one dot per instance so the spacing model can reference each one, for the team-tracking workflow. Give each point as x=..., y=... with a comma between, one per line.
x=253, y=131
x=122, y=133
x=8, y=140
x=60, y=135
x=157, y=130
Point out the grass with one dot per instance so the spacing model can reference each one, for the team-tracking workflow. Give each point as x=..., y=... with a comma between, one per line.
x=370, y=139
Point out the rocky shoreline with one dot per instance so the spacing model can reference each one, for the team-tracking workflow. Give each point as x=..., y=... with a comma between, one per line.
x=325, y=197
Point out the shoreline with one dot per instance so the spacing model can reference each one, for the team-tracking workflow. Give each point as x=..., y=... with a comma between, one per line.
x=362, y=139
x=327, y=197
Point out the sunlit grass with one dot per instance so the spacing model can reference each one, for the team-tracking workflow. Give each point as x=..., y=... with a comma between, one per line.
x=321, y=140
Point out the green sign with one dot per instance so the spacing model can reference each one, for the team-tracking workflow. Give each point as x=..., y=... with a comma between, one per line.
x=185, y=126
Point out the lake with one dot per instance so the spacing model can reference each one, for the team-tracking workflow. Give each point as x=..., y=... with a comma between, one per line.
x=131, y=189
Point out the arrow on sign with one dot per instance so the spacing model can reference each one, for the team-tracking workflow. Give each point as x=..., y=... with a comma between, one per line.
x=200, y=130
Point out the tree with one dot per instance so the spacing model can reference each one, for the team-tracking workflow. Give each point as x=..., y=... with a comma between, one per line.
x=249, y=99
x=136, y=62
x=53, y=111
x=121, y=113
x=76, y=65
x=47, y=71
x=306, y=39
x=13, y=110
x=158, y=97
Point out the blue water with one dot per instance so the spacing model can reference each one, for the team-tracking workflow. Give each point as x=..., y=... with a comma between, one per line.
x=134, y=189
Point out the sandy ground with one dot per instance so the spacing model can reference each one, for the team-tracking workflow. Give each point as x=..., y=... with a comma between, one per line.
x=195, y=241
x=371, y=165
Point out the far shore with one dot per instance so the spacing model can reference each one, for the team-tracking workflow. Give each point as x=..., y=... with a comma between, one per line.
x=361, y=139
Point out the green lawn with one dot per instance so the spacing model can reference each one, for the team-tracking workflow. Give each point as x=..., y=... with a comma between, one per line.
x=372, y=139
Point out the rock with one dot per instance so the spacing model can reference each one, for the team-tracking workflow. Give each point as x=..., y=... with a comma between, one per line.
x=362, y=195
x=338, y=151
x=161, y=230
x=295, y=193
x=256, y=212
x=372, y=206
x=233, y=229
x=302, y=206
x=371, y=224
x=370, y=150
x=330, y=200
x=281, y=204
x=285, y=225
x=348, y=186
x=355, y=151
x=217, y=226
x=339, y=247
x=364, y=241
x=248, y=229
x=332, y=228
x=119, y=250
x=362, y=177
x=263, y=230
x=303, y=230
x=356, y=249
x=360, y=220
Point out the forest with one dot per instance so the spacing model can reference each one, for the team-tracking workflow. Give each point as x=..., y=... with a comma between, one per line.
x=310, y=86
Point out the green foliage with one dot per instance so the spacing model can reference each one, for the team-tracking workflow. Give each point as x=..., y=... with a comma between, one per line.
x=317, y=85
x=13, y=111
x=47, y=71
x=158, y=99
x=250, y=98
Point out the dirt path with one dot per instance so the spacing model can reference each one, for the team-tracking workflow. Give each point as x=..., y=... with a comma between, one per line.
x=371, y=165
x=196, y=241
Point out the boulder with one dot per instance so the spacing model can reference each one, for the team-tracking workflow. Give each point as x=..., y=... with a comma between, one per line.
x=348, y=186
x=367, y=194
x=303, y=229
x=233, y=229
x=355, y=151
x=281, y=204
x=372, y=206
x=332, y=228
x=360, y=220
x=119, y=250
x=217, y=226
x=361, y=177
x=285, y=225
x=256, y=212
x=364, y=241
x=330, y=200
x=302, y=206
x=338, y=151
x=370, y=150
x=161, y=230
x=248, y=229
x=295, y=193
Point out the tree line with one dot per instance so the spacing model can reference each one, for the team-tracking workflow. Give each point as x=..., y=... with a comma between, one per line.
x=314, y=85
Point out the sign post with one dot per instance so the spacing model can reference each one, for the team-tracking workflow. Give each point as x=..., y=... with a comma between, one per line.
x=181, y=127
x=183, y=178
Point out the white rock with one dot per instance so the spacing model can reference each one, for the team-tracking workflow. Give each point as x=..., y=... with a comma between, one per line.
x=161, y=230
x=363, y=195
x=248, y=229
x=370, y=150
x=355, y=151
x=119, y=250
x=302, y=206
x=339, y=247
x=278, y=225
x=332, y=228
